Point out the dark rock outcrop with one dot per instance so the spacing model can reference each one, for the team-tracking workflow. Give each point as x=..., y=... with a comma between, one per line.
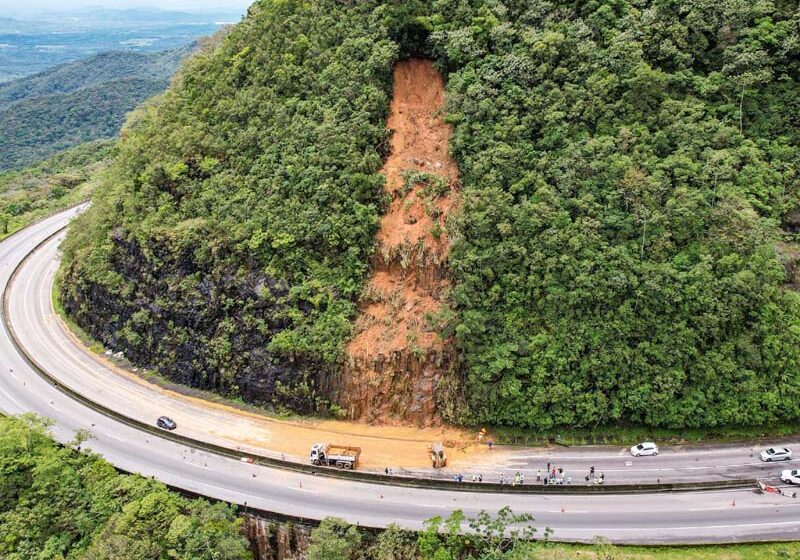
x=205, y=325
x=270, y=540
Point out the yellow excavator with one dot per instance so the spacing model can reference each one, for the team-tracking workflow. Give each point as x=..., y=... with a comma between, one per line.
x=438, y=458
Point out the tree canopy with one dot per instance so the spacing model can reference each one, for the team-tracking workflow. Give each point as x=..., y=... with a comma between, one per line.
x=78, y=102
x=59, y=503
x=628, y=169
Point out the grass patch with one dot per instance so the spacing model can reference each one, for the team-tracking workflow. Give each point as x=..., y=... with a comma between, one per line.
x=556, y=551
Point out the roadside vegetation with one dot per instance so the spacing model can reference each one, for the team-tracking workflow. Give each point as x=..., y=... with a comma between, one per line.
x=488, y=538
x=625, y=248
x=58, y=182
x=60, y=503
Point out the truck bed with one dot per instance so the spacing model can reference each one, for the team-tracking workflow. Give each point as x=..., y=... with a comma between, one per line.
x=343, y=451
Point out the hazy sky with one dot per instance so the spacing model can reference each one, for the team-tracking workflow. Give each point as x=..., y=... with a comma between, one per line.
x=27, y=7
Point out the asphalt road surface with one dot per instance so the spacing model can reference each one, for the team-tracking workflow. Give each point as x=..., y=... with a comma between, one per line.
x=719, y=516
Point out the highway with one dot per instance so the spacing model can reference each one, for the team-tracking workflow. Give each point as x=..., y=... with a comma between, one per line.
x=52, y=346
x=719, y=516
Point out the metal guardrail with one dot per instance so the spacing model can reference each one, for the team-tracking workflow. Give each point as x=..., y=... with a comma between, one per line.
x=366, y=477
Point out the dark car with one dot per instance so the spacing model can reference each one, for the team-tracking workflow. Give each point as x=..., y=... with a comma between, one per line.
x=166, y=422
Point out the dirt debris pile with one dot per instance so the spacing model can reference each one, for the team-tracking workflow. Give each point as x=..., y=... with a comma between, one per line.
x=397, y=359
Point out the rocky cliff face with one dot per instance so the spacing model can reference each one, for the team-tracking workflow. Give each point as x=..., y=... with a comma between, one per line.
x=199, y=325
x=399, y=358
x=276, y=541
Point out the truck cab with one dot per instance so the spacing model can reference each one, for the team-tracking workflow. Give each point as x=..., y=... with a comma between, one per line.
x=317, y=454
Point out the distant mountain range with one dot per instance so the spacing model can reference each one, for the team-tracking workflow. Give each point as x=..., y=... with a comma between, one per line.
x=103, y=68
x=11, y=25
x=31, y=45
x=94, y=17
x=78, y=102
x=111, y=18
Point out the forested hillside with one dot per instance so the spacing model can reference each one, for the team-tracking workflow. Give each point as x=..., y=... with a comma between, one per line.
x=77, y=102
x=56, y=502
x=60, y=181
x=99, y=69
x=628, y=201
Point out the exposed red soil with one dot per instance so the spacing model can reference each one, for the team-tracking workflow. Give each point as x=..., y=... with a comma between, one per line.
x=396, y=361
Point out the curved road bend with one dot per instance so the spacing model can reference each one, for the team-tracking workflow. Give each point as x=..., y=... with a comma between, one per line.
x=724, y=516
x=53, y=347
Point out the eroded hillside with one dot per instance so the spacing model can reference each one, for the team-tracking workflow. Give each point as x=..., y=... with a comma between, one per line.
x=397, y=359
x=622, y=173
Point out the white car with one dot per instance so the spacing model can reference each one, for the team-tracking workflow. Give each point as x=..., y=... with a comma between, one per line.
x=791, y=477
x=776, y=454
x=645, y=448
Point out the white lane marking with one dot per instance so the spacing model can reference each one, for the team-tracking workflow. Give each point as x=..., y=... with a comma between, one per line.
x=301, y=489
x=726, y=466
x=632, y=469
x=109, y=434
x=749, y=506
x=561, y=458
x=12, y=399
x=226, y=490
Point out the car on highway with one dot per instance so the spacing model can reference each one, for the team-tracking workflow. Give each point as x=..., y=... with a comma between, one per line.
x=166, y=423
x=776, y=454
x=791, y=477
x=644, y=448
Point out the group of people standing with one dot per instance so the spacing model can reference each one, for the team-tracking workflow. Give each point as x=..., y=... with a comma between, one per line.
x=591, y=478
x=519, y=479
x=553, y=475
x=557, y=475
x=475, y=478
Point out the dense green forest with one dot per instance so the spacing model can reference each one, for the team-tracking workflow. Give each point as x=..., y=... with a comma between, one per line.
x=629, y=192
x=77, y=102
x=505, y=536
x=56, y=502
x=60, y=181
x=626, y=166
x=489, y=537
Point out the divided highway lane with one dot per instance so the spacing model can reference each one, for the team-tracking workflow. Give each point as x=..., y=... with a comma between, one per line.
x=671, y=465
x=672, y=518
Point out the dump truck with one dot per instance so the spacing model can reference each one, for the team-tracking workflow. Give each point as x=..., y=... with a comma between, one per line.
x=333, y=455
x=438, y=458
